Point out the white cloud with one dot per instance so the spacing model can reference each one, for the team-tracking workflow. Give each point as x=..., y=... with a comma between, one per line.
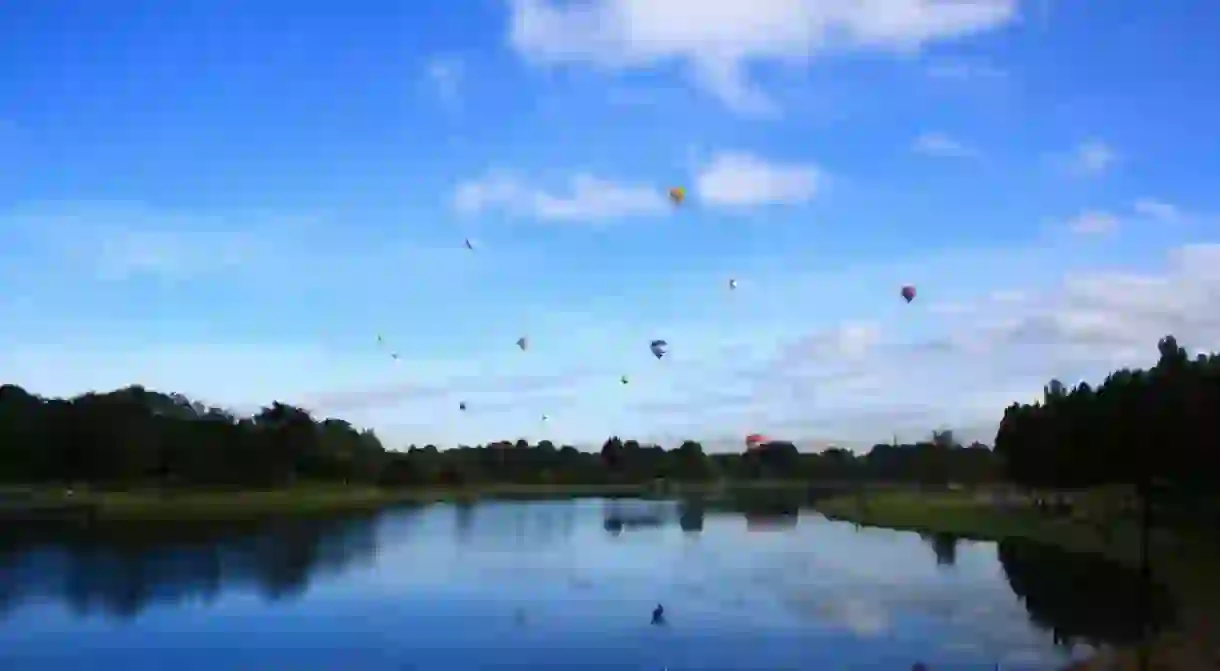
x=1157, y=210
x=1093, y=222
x=587, y=198
x=939, y=144
x=1091, y=158
x=736, y=179
x=444, y=75
x=717, y=42
x=998, y=351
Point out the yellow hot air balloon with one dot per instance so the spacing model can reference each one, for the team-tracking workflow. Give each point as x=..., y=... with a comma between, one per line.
x=677, y=194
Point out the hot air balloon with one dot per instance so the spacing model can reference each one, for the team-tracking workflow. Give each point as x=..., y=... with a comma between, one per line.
x=523, y=343
x=732, y=284
x=677, y=194
x=623, y=379
x=658, y=348
x=462, y=406
x=755, y=441
x=468, y=245
x=546, y=418
x=394, y=356
x=908, y=292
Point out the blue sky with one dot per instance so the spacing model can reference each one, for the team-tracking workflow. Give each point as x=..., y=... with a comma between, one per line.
x=232, y=200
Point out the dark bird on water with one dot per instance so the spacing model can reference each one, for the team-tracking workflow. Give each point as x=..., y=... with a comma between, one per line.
x=658, y=614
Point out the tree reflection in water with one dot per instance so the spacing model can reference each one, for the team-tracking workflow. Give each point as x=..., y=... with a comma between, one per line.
x=945, y=547
x=1082, y=598
x=119, y=570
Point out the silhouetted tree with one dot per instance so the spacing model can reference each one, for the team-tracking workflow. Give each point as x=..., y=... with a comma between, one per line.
x=1158, y=427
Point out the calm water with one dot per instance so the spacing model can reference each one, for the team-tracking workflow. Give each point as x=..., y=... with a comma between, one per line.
x=549, y=585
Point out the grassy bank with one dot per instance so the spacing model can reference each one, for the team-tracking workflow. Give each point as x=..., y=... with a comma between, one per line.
x=306, y=499
x=1188, y=566
x=149, y=504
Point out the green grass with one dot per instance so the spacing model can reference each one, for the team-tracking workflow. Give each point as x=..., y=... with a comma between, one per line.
x=146, y=504
x=1185, y=562
x=174, y=504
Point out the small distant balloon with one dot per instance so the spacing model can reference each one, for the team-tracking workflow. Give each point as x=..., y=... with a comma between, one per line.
x=659, y=348
x=523, y=343
x=623, y=379
x=462, y=406
x=732, y=284
x=755, y=440
x=468, y=245
x=546, y=418
x=908, y=293
x=677, y=195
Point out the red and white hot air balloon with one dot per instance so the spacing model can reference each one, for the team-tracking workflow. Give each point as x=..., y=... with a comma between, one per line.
x=755, y=441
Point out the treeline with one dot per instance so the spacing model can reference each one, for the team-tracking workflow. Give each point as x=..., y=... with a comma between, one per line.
x=138, y=437
x=1159, y=426
x=1156, y=429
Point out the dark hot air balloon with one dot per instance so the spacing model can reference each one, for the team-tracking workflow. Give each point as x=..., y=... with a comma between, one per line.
x=908, y=292
x=658, y=347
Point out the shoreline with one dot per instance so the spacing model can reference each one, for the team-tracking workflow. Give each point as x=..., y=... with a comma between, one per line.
x=1188, y=568
x=307, y=499
x=171, y=505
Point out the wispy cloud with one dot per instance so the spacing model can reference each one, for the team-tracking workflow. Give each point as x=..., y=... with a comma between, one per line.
x=717, y=43
x=119, y=241
x=587, y=198
x=963, y=71
x=1093, y=222
x=941, y=145
x=1157, y=210
x=445, y=75
x=1091, y=158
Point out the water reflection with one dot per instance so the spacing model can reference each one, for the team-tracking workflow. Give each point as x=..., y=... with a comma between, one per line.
x=1081, y=599
x=771, y=521
x=691, y=514
x=857, y=598
x=944, y=546
x=119, y=570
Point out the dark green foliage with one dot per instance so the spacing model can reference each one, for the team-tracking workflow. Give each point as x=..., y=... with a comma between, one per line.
x=1158, y=427
x=135, y=437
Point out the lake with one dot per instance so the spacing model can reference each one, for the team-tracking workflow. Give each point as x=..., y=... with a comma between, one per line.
x=550, y=585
